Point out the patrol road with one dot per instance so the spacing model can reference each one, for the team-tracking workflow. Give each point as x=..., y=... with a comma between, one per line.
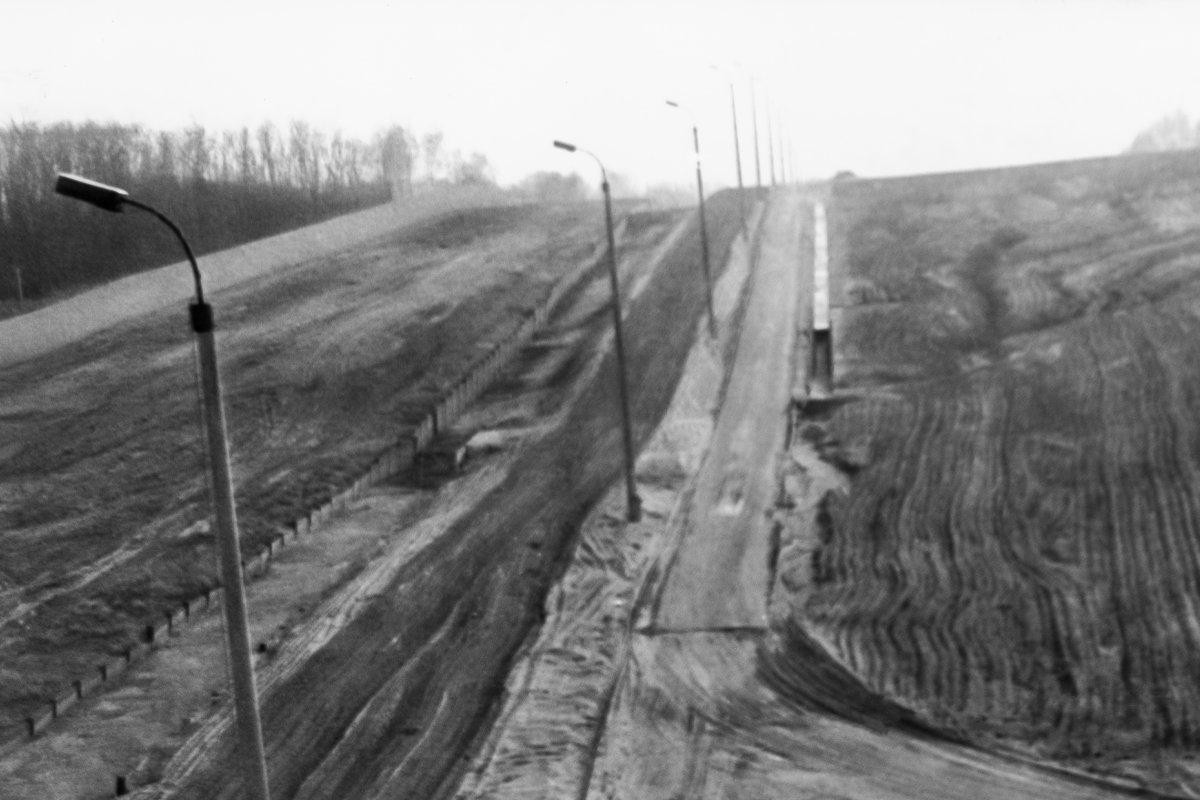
x=720, y=575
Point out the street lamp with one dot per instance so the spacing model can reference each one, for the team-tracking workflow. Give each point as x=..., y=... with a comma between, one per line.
x=770, y=140
x=712, y=320
x=737, y=154
x=237, y=630
x=783, y=167
x=754, y=120
x=633, y=503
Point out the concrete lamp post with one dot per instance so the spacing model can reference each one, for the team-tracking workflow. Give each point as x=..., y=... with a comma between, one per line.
x=754, y=122
x=237, y=631
x=633, y=503
x=737, y=153
x=770, y=140
x=712, y=319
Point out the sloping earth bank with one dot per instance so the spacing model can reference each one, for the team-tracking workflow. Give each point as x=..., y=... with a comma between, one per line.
x=395, y=699
x=1015, y=555
x=102, y=495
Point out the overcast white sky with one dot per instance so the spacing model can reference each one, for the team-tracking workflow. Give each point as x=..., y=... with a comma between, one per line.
x=886, y=87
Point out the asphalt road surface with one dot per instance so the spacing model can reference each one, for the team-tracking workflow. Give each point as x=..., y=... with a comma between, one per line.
x=720, y=576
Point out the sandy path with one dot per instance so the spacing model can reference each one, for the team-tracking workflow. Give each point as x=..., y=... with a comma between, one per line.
x=721, y=574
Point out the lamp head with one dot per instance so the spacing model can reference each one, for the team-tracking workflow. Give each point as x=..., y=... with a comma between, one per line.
x=110, y=198
x=570, y=148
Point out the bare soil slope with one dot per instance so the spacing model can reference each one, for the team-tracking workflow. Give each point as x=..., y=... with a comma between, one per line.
x=1015, y=559
x=397, y=697
x=102, y=495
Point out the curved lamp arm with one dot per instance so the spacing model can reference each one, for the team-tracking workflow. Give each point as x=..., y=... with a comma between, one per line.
x=110, y=198
x=570, y=148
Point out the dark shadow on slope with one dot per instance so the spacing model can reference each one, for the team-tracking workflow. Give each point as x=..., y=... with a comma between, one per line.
x=797, y=667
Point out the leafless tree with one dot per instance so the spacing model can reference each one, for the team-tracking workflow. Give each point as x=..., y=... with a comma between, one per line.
x=431, y=147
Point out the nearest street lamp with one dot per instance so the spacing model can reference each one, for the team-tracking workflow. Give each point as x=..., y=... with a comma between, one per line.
x=111, y=198
x=633, y=503
x=712, y=320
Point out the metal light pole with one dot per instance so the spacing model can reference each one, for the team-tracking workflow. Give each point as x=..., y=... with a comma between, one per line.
x=770, y=141
x=633, y=503
x=737, y=155
x=712, y=320
x=237, y=630
x=754, y=119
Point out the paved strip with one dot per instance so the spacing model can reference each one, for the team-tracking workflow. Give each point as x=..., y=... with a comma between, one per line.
x=719, y=575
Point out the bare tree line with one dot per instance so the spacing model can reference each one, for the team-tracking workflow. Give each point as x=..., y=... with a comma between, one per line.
x=223, y=188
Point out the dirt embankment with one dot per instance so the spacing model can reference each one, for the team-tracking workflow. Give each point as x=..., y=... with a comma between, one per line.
x=102, y=523
x=1015, y=558
x=397, y=697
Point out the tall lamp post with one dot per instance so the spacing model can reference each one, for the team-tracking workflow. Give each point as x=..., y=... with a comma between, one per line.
x=633, y=503
x=770, y=140
x=737, y=154
x=237, y=631
x=754, y=122
x=712, y=320
x=783, y=164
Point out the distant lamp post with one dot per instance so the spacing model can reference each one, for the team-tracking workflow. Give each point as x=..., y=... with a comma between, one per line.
x=633, y=503
x=754, y=121
x=237, y=631
x=770, y=141
x=737, y=153
x=783, y=173
x=712, y=320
